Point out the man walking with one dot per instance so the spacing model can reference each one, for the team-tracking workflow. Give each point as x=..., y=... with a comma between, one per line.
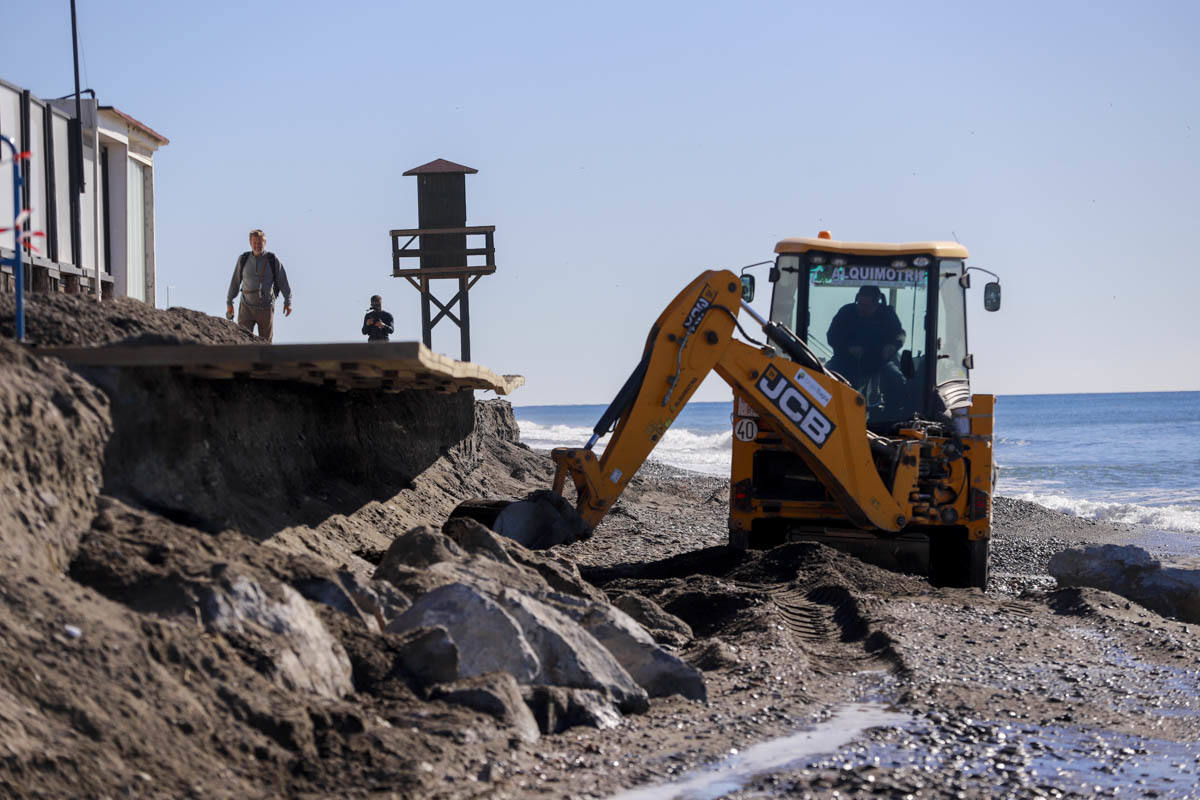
x=377, y=324
x=259, y=277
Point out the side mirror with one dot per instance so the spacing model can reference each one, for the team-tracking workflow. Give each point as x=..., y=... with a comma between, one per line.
x=748, y=288
x=907, y=367
x=991, y=296
x=773, y=275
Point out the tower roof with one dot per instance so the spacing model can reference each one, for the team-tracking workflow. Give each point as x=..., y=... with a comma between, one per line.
x=441, y=165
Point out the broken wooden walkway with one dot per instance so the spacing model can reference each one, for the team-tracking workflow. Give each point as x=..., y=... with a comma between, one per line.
x=383, y=366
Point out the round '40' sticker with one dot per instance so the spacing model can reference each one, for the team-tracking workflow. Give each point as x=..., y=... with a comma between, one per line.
x=745, y=429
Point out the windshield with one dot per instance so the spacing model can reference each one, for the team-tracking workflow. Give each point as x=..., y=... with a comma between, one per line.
x=863, y=317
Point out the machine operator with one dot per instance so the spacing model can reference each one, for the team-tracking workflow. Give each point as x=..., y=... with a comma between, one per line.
x=865, y=336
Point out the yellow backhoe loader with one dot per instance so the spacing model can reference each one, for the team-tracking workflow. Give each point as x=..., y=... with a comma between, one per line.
x=853, y=421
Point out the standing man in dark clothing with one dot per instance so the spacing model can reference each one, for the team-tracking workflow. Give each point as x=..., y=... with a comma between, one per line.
x=865, y=336
x=377, y=324
x=259, y=277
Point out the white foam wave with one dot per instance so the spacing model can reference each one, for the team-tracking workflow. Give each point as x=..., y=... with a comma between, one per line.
x=1172, y=517
x=700, y=452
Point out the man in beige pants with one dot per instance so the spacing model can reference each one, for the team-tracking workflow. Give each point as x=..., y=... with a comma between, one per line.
x=259, y=278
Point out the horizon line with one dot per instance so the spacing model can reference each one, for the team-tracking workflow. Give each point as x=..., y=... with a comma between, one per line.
x=1014, y=394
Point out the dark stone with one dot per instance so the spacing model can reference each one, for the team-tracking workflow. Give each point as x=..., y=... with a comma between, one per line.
x=475, y=538
x=556, y=708
x=496, y=694
x=428, y=655
x=420, y=547
x=665, y=628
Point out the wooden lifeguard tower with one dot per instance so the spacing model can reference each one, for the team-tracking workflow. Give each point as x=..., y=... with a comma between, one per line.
x=442, y=250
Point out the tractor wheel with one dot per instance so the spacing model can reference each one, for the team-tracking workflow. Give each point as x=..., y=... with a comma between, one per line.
x=978, y=556
x=958, y=561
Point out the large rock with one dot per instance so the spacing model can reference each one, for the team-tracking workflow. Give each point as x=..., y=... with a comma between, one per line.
x=1171, y=588
x=570, y=656
x=419, y=547
x=282, y=627
x=663, y=627
x=654, y=669
x=428, y=655
x=560, y=574
x=591, y=646
x=476, y=539
x=557, y=708
x=488, y=638
x=496, y=694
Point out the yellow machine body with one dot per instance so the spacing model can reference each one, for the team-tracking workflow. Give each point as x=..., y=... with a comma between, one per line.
x=805, y=462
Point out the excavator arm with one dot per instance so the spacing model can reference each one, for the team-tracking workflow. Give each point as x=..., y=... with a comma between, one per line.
x=820, y=417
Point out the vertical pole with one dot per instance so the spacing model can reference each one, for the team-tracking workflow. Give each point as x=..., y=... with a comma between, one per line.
x=96, y=193
x=76, y=156
x=426, y=331
x=18, y=259
x=78, y=105
x=464, y=319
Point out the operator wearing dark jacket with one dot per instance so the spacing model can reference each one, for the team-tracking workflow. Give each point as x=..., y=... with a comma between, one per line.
x=377, y=324
x=865, y=336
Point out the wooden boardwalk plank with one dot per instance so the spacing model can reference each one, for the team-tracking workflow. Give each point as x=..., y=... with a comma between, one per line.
x=389, y=366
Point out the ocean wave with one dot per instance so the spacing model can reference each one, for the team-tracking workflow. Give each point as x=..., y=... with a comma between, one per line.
x=1171, y=517
x=700, y=452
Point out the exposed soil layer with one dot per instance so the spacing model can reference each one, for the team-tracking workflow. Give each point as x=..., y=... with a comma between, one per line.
x=164, y=490
x=60, y=320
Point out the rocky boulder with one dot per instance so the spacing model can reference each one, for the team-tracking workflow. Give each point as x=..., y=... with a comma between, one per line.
x=657, y=671
x=1171, y=588
x=556, y=708
x=488, y=638
x=530, y=614
x=570, y=656
x=295, y=648
x=496, y=694
x=665, y=628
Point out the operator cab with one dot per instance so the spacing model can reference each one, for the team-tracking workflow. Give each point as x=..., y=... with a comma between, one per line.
x=889, y=318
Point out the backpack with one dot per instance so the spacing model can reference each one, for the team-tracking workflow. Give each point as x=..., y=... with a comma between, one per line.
x=272, y=262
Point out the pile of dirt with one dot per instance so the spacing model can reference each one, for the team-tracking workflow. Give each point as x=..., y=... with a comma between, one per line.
x=53, y=429
x=61, y=320
x=144, y=513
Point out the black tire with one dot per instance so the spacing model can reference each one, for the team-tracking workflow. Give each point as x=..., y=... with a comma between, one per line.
x=978, y=558
x=958, y=561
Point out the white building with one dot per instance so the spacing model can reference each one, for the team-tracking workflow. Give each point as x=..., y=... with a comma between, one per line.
x=118, y=234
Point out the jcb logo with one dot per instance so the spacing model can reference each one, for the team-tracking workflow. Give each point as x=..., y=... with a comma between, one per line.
x=696, y=315
x=795, y=406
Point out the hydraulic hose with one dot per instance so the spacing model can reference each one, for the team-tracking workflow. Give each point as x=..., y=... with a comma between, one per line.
x=786, y=340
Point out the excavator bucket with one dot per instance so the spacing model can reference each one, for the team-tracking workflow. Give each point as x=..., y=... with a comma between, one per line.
x=538, y=521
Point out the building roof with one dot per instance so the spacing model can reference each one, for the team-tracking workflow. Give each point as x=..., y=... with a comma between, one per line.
x=141, y=126
x=801, y=244
x=441, y=165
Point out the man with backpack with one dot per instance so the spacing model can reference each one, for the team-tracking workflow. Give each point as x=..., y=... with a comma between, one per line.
x=260, y=278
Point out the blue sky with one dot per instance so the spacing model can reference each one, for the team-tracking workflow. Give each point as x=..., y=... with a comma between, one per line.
x=624, y=148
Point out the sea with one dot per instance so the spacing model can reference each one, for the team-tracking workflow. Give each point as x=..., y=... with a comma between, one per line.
x=1122, y=458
